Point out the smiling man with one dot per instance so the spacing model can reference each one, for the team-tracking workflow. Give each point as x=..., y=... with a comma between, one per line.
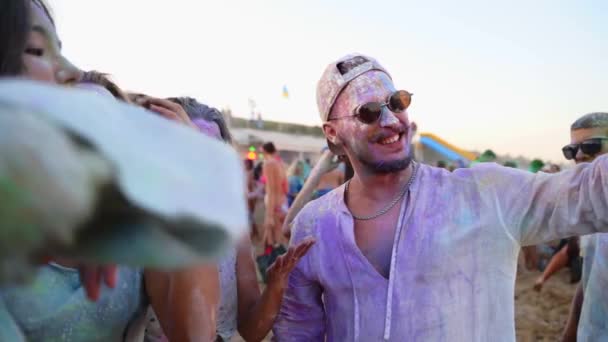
x=410, y=252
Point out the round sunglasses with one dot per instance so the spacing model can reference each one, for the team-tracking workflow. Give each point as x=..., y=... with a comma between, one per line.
x=370, y=112
x=590, y=147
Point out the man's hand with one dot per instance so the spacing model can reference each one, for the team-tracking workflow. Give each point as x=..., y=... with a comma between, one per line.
x=278, y=272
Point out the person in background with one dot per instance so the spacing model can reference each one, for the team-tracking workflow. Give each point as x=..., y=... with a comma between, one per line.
x=295, y=176
x=536, y=165
x=327, y=163
x=276, y=196
x=589, y=311
x=554, y=168
x=330, y=179
x=307, y=168
x=567, y=254
x=488, y=156
x=252, y=197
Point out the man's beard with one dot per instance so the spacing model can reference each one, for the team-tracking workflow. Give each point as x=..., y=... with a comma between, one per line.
x=386, y=167
x=383, y=167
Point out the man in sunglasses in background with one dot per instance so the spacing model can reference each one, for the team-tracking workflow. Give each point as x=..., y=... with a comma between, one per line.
x=589, y=312
x=410, y=252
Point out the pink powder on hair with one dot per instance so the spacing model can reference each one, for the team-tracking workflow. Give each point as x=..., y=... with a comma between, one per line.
x=208, y=128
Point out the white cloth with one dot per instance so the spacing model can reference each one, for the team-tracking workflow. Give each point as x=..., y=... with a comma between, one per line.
x=584, y=241
x=185, y=189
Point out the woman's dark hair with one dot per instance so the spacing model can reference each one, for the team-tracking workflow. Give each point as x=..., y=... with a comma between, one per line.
x=249, y=164
x=14, y=31
x=15, y=26
x=197, y=110
x=257, y=171
x=269, y=148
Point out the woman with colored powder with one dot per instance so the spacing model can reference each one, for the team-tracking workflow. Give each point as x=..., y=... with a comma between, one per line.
x=31, y=49
x=241, y=307
x=54, y=305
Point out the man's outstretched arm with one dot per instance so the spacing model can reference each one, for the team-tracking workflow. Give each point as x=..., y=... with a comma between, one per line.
x=540, y=207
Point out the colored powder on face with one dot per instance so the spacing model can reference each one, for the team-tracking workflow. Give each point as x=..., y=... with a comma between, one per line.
x=358, y=137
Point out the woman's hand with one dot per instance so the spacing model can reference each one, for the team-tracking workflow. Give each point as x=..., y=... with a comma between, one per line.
x=278, y=272
x=165, y=108
x=92, y=276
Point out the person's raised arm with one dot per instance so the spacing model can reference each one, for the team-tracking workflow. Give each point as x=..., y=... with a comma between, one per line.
x=256, y=314
x=324, y=165
x=535, y=208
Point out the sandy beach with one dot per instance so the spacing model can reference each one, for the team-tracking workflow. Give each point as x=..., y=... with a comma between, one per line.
x=542, y=316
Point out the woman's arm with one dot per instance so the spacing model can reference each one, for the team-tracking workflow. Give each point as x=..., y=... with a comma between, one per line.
x=557, y=262
x=256, y=314
x=185, y=302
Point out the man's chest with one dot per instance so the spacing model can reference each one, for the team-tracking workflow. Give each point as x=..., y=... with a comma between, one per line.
x=375, y=242
x=421, y=252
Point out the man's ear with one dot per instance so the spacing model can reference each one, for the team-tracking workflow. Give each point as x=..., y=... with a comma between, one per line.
x=333, y=141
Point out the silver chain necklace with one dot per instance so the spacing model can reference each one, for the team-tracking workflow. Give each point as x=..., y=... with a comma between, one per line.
x=390, y=205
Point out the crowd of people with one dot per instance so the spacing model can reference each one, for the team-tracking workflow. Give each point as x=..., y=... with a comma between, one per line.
x=368, y=245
